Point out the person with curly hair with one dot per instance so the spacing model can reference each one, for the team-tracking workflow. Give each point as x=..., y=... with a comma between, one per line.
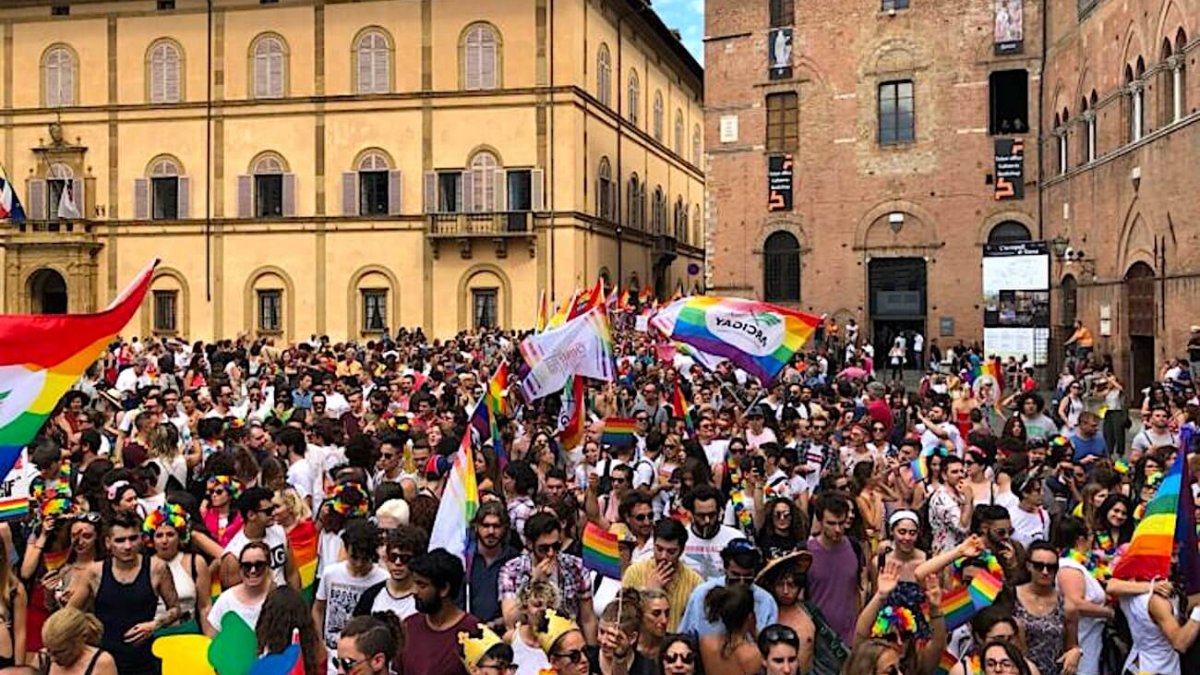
x=343, y=583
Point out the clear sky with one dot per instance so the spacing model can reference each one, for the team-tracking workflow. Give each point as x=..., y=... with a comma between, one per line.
x=688, y=17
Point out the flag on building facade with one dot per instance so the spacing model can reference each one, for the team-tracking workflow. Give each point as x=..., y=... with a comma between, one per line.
x=10, y=204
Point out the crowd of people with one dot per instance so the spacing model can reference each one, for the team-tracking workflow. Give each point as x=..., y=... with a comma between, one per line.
x=814, y=524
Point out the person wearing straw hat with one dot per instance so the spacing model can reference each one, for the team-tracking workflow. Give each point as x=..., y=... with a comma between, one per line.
x=784, y=578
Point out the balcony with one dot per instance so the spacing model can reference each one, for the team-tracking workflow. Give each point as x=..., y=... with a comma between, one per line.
x=467, y=228
x=663, y=249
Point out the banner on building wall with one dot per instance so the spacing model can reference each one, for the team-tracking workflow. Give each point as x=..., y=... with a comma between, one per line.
x=1016, y=300
x=779, y=47
x=1009, y=26
x=1009, y=159
x=779, y=183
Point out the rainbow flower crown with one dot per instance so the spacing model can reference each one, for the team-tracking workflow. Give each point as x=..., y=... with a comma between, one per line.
x=894, y=620
x=167, y=514
x=349, y=499
x=230, y=484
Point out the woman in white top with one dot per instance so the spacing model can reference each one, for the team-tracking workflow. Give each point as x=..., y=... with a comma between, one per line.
x=247, y=598
x=168, y=529
x=1070, y=407
x=1030, y=521
x=1081, y=589
x=1158, y=634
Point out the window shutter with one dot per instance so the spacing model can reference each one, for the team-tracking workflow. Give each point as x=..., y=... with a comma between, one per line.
x=141, y=199
x=430, y=191
x=36, y=193
x=156, y=75
x=184, y=198
x=66, y=75
x=466, y=201
x=289, y=195
x=500, y=181
x=260, y=75
x=487, y=66
x=537, y=192
x=381, y=67
x=458, y=194
x=80, y=197
x=471, y=64
x=171, y=76
x=395, y=193
x=350, y=193
x=245, y=196
x=276, y=75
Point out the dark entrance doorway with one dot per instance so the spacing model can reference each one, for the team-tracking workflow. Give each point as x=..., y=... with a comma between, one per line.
x=896, y=293
x=48, y=292
x=1141, y=308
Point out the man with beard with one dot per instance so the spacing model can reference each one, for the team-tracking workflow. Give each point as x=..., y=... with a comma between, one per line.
x=936, y=430
x=492, y=552
x=742, y=561
x=433, y=630
x=995, y=524
x=664, y=571
x=708, y=538
x=636, y=511
x=784, y=578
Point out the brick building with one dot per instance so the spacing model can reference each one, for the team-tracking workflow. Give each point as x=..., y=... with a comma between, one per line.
x=888, y=115
x=1120, y=195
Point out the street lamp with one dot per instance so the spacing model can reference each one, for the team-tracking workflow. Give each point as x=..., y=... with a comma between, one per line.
x=1059, y=245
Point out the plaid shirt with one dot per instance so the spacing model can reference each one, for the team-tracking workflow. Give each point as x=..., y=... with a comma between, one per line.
x=570, y=579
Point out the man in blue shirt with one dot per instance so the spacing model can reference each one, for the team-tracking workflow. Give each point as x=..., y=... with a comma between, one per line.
x=742, y=561
x=1089, y=445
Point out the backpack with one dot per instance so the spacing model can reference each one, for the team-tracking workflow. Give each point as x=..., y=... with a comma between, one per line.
x=829, y=650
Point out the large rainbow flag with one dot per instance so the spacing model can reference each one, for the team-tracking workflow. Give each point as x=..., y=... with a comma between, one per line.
x=460, y=501
x=1169, y=522
x=302, y=539
x=42, y=356
x=756, y=336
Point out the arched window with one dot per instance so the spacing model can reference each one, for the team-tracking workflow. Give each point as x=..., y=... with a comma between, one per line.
x=481, y=57
x=1070, y=301
x=373, y=62
x=1179, y=76
x=164, y=72
x=163, y=194
x=481, y=182
x=268, y=174
x=781, y=268
x=1089, y=147
x=269, y=73
x=633, y=200
x=680, y=218
x=1008, y=232
x=696, y=140
x=658, y=116
x=604, y=75
x=679, y=132
x=635, y=97
x=1062, y=132
x=59, y=75
x=604, y=191
x=658, y=211
x=1133, y=87
x=374, y=179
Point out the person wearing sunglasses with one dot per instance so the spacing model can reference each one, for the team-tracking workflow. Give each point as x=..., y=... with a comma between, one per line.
x=742, y=561
x=396, y=593
x=247, y=598
x=1050, y=627
x=343, y=583
x=544, y=560
x=257, y=508
x=368, y=645
x=565, y=646
x=678, y=655
x=124, y=592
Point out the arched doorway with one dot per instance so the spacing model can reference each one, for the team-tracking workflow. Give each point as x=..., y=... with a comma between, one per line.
x=781, y=268
x=47, y=292
x=1070, y=302
x=1008, y=232
x=1141, y=308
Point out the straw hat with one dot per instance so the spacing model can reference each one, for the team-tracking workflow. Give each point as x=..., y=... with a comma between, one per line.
x=800, y=559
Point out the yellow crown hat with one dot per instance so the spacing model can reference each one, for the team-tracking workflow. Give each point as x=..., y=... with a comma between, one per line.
x=555, y=627
x=473, y=649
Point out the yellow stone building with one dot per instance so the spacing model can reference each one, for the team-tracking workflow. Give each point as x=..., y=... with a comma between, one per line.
x=337, y=167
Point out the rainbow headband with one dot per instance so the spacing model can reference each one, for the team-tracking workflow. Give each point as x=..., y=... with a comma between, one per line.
x=167, y=514
x=38, y=492
x=57, y=507
x=228, y=483
x=348, y=499
x=894, y=620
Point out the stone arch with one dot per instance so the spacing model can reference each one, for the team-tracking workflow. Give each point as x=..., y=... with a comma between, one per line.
x=995, y=219
x=1172, y=18
x=804, y=64
x=484, y=147
x=792, y=225
x=374, y=150
x=268, y=156
x=464, y=294
x=181, y=63
x=155, y=166
x=926, y=222
x=1136, y=242
x=289, y=299
x=893, y=56
x=354, y=297
x=35, y=283
x=1132, y=46
x=184, y=326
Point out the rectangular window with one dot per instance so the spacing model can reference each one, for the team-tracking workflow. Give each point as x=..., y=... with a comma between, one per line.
x=1009, y=95
x=891, y=5
x=57, y=186
x=783, y=12
x=60, y=10
x=783, y=122
x=268, y=196
x=374, y=304
x=896, y=112
x=165, y=198
x=164, y=5
x=483, y=300
x=449, y=191
x=165, y=304
x=270, y=311
x=373, y=193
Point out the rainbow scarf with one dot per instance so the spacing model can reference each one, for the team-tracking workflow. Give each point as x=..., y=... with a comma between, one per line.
x=600, y=551
x=42, y=356
x=758, y=337
x=1167, y=526
x=1093, y=561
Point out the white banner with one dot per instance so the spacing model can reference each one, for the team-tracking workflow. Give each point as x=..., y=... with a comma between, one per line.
x=580, y=346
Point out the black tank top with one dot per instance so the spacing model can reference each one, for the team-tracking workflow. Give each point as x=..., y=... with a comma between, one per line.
x=122, y=606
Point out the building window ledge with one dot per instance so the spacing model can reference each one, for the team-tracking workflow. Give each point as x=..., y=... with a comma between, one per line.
x=1146, y=139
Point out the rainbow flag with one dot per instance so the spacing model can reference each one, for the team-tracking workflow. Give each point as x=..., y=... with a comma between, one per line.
x=988, y=367
x=679, y=403
x=460, y=501
x=570, y=435
x=543, y=313
x=42, y=356
x=983, y=589
x=920, y=469
x=645, y=296
x=302, y=539
x=758, y=337
x=618, y=431
x=945, y=662
x=14, y=508
x=958, y=607
x=1169, y=522
x=600, y=551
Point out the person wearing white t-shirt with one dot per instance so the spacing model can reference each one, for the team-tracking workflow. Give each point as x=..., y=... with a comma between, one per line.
x=258, y=518
x=245, y=599
x=300, y=474
x=1030, y=521
x=935, y=429
x=343, y=584
x=396, y=593
x=708, y=537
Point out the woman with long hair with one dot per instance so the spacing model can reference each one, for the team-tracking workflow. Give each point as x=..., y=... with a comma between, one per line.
x=72, y=640
x=247, y=598
x=873, y=657
x=284, y=612
x=13, y=603
x=1049, y=625
x=1014, y=427
x=1114, y=526
x=782, y=529
x=87, y=547
x=656, y=617
x=292, y=514
x=1001, y=657
x=164, y=451
x=487, y=470
x=992, y=624
x=732, y=651
x=169, y=534
x=679, y=656
x=220, y=518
